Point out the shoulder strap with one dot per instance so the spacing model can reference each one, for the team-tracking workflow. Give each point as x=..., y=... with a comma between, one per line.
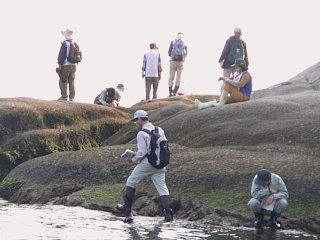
x=156, y=130
x=146, y=131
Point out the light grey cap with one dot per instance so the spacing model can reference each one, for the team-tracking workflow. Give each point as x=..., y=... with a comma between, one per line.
x=237, y=30
x=139, y=114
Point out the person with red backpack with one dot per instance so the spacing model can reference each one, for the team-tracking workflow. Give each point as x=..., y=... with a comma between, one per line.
x=69, y=55
x=234, y=48
x=177, y=53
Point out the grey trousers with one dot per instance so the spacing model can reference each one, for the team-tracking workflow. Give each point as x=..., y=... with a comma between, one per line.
x=175, y=67
x=144, y=170
x=279, y=207
x=67, y=77
x=227, y=72
x=154, y=82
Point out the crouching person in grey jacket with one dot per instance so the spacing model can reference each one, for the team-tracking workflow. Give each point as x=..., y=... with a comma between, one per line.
x=269, y=194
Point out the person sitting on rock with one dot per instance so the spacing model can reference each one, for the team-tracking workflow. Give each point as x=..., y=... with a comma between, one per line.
x=269, y=194
x=239, y=87
x=110, y=97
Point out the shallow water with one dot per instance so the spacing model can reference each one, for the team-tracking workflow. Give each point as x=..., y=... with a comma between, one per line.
x=35, y=222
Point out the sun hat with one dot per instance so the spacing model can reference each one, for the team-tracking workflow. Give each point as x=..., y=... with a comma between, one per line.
x=120, y=85
x=67, y=34
x=240, y=63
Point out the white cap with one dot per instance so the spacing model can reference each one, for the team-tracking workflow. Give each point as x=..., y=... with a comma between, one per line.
x=139, y=114
x=237, y=30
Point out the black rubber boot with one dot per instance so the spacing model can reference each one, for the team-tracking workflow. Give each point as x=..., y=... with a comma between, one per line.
x=274, y=224
x=167, y=211
x=176, y=88
x=170, y=92
x=259, y=219
x=128, y=200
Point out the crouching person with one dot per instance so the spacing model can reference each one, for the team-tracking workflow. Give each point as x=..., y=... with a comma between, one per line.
x=235, y=89
x=110, y=97
x=145, y=167
x=269, y=195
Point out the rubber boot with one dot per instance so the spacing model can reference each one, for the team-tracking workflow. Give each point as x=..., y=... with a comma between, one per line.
x=273, y=220
x=259, y=219
x=223, y=98
x=222, y=101
x=167, y=211
x=170, y=92
x=176, y=88
x=202, y=105
x=128, y=200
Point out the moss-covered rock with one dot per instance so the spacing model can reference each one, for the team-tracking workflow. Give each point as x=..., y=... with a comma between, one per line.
x=30, y=128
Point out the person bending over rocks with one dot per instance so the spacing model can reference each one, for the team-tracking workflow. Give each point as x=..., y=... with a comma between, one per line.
x=110, y=97
x=235, y=89
x=269, y=195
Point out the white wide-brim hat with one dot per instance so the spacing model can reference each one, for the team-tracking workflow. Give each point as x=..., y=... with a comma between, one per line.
x=67, y=33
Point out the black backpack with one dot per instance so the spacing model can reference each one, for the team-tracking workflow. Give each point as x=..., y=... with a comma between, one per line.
x=75, y=54
x=237, y=51
x=159, y=156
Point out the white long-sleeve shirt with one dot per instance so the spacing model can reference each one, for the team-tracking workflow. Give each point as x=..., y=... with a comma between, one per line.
x=143, y=142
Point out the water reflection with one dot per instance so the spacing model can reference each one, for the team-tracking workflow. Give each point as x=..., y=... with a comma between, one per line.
x=32, y=222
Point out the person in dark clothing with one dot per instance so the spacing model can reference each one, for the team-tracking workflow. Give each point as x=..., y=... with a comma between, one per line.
x=226, y=60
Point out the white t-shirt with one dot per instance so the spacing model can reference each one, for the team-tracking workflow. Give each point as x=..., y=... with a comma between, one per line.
x=152, y=63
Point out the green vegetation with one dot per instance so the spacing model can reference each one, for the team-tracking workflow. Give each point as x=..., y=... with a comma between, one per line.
x=237, y=201
x=108, y=195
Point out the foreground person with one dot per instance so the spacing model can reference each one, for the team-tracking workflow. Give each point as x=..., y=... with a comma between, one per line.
x=144, y=168
x=269, y=195
x=235, y=89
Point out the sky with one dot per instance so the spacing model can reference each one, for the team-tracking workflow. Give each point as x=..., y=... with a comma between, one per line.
x=282, y=40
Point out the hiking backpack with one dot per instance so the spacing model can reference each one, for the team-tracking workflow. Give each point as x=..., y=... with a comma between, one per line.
x=177, y=52
x=159, y=156
x=236, y=51
x=75, y=54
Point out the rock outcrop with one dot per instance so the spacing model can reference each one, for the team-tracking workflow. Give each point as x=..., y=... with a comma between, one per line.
x=30, y=128
x=215, y=154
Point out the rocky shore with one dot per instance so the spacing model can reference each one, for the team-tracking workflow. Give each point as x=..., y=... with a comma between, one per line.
x=69, y=153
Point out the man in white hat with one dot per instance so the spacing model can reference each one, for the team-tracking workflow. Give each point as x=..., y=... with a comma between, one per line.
x=234, y=48
x=144, y=169
x=66, y=69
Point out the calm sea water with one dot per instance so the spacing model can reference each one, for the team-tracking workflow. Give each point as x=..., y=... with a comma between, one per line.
x=35, y=222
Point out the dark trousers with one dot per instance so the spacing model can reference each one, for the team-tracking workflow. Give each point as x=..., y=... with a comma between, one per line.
x=154, y=82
